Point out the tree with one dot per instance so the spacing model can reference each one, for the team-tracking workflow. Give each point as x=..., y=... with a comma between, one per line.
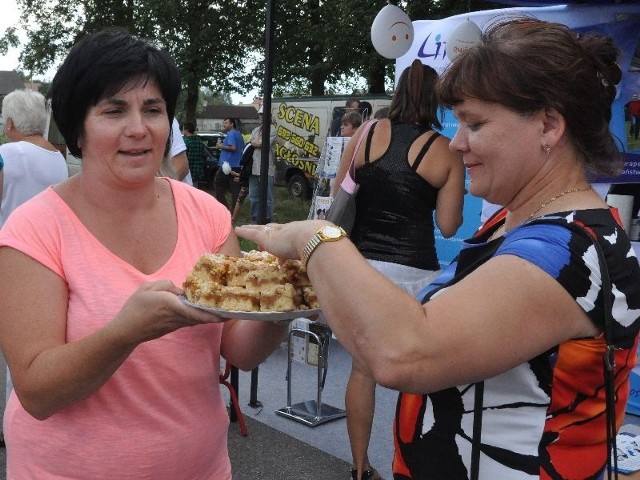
x=206, y=39
x=10, y=39
x=320, y=45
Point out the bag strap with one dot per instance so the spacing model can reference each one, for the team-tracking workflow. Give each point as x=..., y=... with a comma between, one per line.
x=366, y=127
x=608, y=360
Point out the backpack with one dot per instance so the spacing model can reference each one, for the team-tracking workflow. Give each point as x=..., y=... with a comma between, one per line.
x=246, y=162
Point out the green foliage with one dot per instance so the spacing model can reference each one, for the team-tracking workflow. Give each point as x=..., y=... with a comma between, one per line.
x=286, y=209
x=219, y=45
x=206, y=40
x=10, y=39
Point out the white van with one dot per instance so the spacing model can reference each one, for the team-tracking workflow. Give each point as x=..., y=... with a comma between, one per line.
x=302, y=125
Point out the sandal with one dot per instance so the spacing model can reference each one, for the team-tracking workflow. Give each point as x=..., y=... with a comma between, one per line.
x=369, y=474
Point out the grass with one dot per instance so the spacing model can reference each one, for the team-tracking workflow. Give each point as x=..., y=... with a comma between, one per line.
x=285, y=209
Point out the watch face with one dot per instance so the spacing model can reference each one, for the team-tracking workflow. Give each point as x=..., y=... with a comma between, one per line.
x=332, y=232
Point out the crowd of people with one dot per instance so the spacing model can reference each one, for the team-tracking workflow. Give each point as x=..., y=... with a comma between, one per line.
x=512, y=362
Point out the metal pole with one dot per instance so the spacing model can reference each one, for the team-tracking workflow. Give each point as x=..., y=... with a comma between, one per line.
x=265, y=150
x=234, y=380
x=253, y=394
x=266, y=111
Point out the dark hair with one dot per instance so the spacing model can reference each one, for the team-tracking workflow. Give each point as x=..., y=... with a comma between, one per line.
x=233, y=121
x=189, y=127
x=366, y=110
x=415, y=99
x=99, y=66
x=526, y=64
x=352, y=101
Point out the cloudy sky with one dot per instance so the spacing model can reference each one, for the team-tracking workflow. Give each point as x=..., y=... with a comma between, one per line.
x=10, y=16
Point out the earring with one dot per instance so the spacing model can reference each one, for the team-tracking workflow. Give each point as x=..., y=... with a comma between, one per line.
x=547, y=149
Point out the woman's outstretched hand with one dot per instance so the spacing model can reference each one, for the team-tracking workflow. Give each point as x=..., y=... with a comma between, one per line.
x=282, y=240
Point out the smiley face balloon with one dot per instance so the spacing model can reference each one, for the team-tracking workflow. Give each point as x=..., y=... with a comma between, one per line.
x=391, y=32
x=462, y=37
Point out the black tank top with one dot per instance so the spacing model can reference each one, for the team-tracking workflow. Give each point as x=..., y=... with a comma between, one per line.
x=394, y=205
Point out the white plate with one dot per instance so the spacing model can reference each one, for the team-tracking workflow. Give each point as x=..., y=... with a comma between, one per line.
x=265, y=316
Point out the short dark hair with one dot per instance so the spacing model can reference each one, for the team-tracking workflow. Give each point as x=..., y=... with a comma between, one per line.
x=352, y=102
x=233, y=121
x=99, y=66
x=366, y=110
x=381, y=113
x=189, y=127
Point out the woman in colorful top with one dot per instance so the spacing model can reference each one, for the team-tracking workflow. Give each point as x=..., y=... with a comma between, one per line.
x=108, y=381
x=502, y=367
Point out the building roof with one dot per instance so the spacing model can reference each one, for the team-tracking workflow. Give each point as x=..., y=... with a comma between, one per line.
x=247, y=112
x=9, y=81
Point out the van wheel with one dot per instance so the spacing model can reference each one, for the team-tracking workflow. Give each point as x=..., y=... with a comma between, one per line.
x=299, y=187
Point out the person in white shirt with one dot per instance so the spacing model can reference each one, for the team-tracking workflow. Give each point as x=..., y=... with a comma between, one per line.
x=31, y=162
x=178, y=154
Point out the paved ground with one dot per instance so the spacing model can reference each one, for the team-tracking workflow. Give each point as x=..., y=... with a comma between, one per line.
x=268, y=454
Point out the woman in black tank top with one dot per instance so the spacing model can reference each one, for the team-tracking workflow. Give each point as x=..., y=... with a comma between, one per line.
x=406, y=174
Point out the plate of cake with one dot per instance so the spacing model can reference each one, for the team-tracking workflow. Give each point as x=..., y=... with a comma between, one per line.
x=254, y=286
x=265, y=316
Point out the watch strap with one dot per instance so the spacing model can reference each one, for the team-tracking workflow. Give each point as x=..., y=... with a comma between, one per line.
x=324, y=234
x=309, y=248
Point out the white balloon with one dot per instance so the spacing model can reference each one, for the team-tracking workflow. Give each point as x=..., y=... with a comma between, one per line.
x=226, y=168
x=392, y=32
x=462, y=37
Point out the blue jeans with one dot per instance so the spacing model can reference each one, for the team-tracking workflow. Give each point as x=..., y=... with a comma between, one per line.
x=254, y=197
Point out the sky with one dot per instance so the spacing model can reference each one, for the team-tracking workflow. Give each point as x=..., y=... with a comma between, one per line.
x=10, y=16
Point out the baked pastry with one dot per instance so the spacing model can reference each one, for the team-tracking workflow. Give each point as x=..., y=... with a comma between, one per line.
x=255, y=282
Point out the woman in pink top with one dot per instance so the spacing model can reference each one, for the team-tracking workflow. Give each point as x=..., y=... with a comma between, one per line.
x=108, y=382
